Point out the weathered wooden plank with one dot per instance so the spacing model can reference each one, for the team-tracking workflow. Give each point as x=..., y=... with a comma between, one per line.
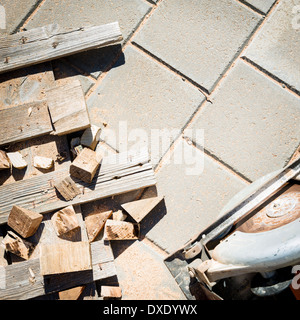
x=24, y=122
x=117, y=174
x=52, y=42
x=23, y=280
x=67, y=107
x=121, y=230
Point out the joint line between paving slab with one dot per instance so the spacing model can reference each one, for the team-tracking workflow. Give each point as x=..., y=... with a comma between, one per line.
x=271, y=76
x=250, y=6
x=218, y=160
x=29, y=16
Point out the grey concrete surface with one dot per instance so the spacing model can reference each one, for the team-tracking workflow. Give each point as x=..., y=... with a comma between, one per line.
x=276, y=48
x=252, y=124
x=198, y=38
x=262, y=5
x=146, y=97
x=192, y=201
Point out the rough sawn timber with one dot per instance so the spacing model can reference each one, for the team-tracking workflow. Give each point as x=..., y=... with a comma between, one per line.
x=51, y=42
x=118, y=174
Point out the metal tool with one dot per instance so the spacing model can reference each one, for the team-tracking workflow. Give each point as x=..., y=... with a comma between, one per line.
x=251, y=247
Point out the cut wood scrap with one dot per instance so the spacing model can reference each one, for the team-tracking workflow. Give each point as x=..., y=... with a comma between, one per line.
x=18, y=246
x=67, y=188
x=71, y=294
x=52, y=42
x=17, y=160
x=85, y=166
x=140, y=208
x=4, y=160
x=95, y=222
x=119, y=215
x=3, y=260
x=43, y=162
x=65, y=222
x=18, y=124
x=91, y=136
x=121, y=230
x=18, y=286
x=25, y=222
x=111, y=292
x=67, y=107
x=65, y=257
x=119, y=174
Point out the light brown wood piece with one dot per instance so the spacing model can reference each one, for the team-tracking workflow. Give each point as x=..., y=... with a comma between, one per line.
x=39, y=194
x=85, y=166
x=4, y=160
x=140, y=208
x=67, y=107
x=52, y=42
x=18, y=246
x=24, y=122
x=43, y=162
x=119, y=215
x=65, y=257
x=17, y=160
x=25, y=222
x=65, y=222
x=67, y=188
x=95, y=222
x=121, y=230
x=71, y=294
x=3, y=260
x=90, y=137
x=111, y=292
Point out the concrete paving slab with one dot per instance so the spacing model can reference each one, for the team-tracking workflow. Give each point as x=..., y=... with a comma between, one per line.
x=15, y=13
x=142, y=274
x=76, y=13
x=191, y=202
x=252, y=124
x=198, y=38
x=139, y=100
x=262, y=5
x=276, y=47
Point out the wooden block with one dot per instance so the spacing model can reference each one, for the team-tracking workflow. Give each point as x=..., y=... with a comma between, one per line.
x=25, y=222
x=67, y=188
x=121, y=230
x=65, y=222
x=119, y=215
x=111, y=292
x=140, y=208
x=95, y=222
x=67, y=107
x=90, y=137
x=85, y=166
x=43, y=162
x=52, y=42
x=4, y=160
x=18, y=246
x=65, y=257
x=17, y=160
x=24, y=122
x=71, y=294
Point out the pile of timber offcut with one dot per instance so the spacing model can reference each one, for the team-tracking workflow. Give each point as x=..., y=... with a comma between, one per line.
x=48, y=245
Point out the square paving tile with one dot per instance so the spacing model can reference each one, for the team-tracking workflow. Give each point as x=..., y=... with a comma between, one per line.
x=277, y=45
x=142, y=102
x=252, y=124
x=262, y=5
x=204, y=45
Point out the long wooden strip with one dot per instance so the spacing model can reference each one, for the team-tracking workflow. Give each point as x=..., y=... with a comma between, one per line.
x=51, y=42
x=24, y=122
x=39, y=194
x=23, y=280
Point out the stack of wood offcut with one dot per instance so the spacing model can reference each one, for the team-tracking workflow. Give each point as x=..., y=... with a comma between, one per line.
x=51, y=165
